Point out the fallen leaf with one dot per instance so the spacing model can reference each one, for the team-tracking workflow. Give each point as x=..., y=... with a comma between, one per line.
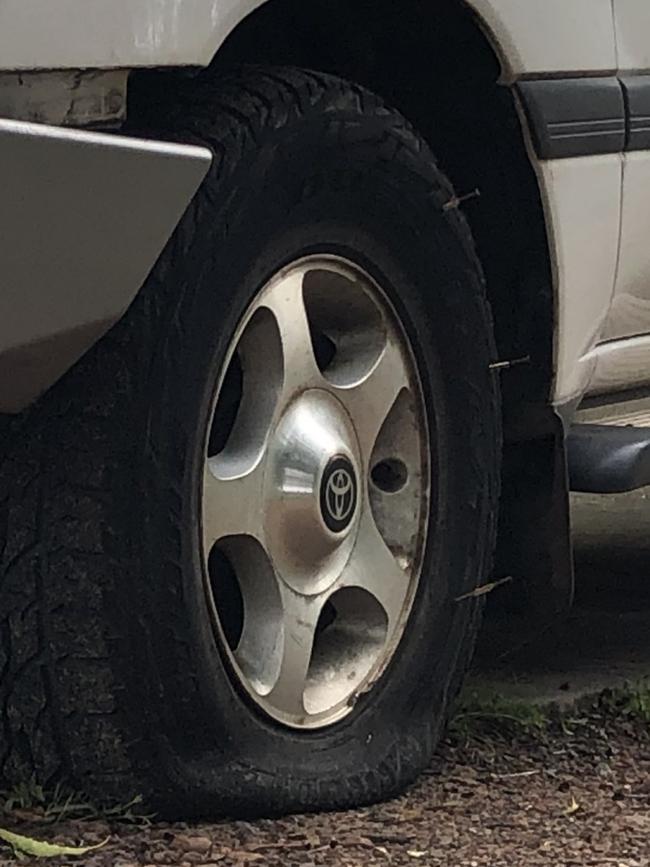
x=573, y=807
x=28, y=846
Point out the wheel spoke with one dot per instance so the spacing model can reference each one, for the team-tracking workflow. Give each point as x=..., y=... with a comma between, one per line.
x=370, y=399
x=285, y=300
x=300, y=616
x=375, y=568
x=232, y=501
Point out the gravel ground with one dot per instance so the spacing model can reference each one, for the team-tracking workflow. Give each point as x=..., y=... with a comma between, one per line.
x=579, y=795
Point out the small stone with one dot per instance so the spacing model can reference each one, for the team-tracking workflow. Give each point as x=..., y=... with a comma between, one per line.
x=194, y=857
x=192, y=844
x=199, y=844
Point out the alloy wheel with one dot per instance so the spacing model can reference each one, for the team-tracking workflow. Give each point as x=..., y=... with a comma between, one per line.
x=316, y=489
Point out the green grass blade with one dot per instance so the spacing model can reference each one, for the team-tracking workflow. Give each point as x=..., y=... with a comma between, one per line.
x=28, y=846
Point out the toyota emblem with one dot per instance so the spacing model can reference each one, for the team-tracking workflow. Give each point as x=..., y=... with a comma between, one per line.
x=338, y=494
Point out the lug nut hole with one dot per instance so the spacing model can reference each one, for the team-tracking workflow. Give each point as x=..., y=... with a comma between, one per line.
x=389, y=475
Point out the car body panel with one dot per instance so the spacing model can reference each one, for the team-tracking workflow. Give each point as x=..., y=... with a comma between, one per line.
x=620, y=365
x=532, y=37
x=630, y=310
x=551, y=36
x=623, y=352
x=632, y=24
x=583, y=201
x=84, y=216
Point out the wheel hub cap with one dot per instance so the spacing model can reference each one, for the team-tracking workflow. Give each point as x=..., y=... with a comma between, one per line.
x=310, y=496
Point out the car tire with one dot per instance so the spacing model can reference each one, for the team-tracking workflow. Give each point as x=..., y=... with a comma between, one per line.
x=118, y=675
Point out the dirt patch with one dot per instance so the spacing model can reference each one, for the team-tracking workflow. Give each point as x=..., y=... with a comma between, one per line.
x=577, y=794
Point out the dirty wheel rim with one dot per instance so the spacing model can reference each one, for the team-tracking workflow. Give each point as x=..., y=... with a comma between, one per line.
x=315, y=493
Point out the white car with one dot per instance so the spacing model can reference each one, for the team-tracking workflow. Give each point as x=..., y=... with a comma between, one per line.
x=303, y=308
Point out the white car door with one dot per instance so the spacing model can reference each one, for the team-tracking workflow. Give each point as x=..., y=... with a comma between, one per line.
x=623, y=355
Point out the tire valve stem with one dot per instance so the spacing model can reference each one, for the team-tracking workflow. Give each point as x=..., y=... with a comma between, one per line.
x=457, y=201
x=506, y=365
